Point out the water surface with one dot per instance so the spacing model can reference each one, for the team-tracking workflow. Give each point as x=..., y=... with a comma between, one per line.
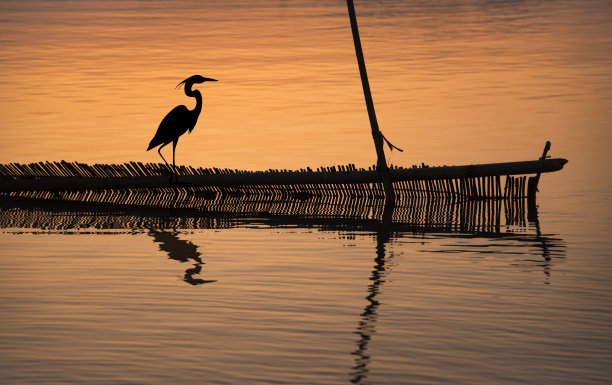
x=454, y=82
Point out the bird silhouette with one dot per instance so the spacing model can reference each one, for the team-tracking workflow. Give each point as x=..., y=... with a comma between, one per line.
x=179, y=120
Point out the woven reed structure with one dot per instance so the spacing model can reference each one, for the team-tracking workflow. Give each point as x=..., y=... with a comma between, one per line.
x=109, y=210
x=484, y=181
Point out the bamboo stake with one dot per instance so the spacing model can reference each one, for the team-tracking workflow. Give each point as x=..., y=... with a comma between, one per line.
x=532, y=187
x=382, y=168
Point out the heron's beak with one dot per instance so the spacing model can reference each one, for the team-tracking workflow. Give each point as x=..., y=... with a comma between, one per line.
x=192, y=81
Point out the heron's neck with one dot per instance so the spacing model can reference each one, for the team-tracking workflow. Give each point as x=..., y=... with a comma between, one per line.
x=198, y=97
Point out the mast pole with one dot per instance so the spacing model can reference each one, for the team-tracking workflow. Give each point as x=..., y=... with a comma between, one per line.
x=381, y=165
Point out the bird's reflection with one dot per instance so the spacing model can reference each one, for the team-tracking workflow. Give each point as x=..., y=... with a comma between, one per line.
x=182, y=251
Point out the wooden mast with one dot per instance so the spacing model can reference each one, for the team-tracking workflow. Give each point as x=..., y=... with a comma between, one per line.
x=381, y=164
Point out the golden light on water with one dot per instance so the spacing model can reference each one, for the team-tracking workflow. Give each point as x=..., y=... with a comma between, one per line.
x=92, y=295
x=91, y=84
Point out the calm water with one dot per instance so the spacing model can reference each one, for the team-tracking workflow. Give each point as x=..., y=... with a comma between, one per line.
x=454, y=82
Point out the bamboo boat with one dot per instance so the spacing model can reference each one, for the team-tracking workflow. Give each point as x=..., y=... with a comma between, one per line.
x=477, y=181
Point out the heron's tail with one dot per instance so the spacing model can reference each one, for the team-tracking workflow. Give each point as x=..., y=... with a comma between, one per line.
x=154, y=143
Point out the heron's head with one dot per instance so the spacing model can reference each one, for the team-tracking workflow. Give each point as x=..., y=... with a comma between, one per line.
x=193, y=80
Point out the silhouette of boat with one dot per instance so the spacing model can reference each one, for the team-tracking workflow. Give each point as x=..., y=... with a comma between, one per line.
x=480, y=181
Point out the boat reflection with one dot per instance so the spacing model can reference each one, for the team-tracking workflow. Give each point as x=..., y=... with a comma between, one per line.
x=510, y=221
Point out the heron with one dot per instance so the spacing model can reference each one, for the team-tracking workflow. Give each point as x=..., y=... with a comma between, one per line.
x=179, y=120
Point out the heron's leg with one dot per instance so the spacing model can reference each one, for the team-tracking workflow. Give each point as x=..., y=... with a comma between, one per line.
x=160, y=154
x=174, y=143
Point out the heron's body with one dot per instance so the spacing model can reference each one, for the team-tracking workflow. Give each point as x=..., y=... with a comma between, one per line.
x=176, y=123
x=179, y=120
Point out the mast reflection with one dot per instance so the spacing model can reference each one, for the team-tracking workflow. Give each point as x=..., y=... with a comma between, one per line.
x=367, y=325
x=546, y=247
